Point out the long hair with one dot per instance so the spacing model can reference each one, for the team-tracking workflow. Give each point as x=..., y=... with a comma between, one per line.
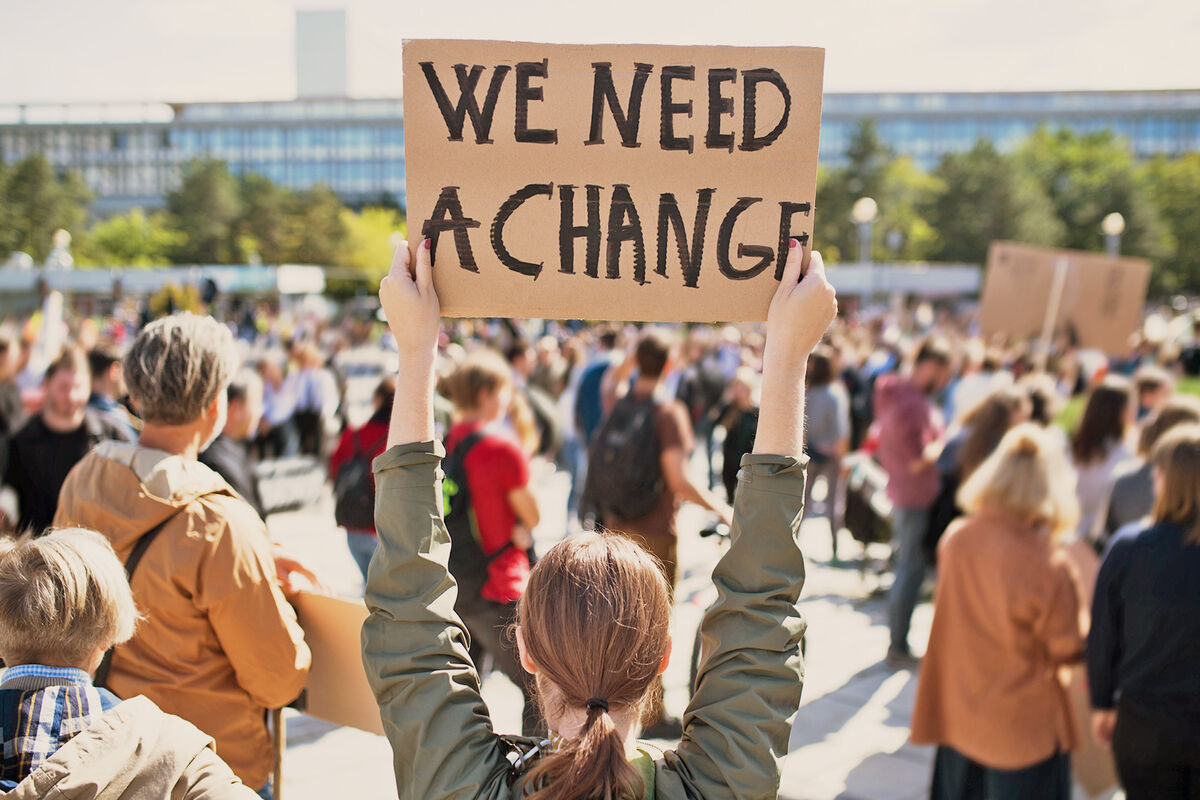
x=1104, y=420
x=1177, y=459
x=1028, y=475
x=595, y=620
x=986, y=425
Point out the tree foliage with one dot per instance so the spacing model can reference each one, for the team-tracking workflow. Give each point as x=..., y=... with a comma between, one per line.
x=134, y=239
x=1088, y=176
x=1173, y=186
x=1053, y=190
x=983, y=197
x=368, y=246
x=35, y=202
x=206, y=208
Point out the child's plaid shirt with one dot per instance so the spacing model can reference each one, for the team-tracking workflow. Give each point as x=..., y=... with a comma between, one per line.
x=41, y=709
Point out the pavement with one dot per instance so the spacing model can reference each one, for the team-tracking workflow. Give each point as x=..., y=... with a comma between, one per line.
x=849, y=738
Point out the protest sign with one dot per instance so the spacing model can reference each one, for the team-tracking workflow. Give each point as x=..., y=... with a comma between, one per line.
x=337, y=690
x=1094, y=299
x=628, y=182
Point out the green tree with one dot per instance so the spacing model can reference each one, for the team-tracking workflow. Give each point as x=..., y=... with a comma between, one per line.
x=1173, y=185
x=134, y=239
x=1087, y=176
x=36, y=202
x=368, y=243
x=205, y=209
x=317, y=229
x=863, y=175
x=985, y=196
x=264, y=223
x=903, y=199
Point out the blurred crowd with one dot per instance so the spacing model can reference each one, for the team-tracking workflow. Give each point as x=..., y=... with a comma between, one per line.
x=1054, y=493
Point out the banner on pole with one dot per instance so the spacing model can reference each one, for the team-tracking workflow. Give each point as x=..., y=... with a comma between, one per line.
x=1100, y=303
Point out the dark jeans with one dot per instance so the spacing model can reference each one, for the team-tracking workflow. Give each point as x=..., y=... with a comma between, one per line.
x=956, y=777
x=489, y=625
x=1157, y=752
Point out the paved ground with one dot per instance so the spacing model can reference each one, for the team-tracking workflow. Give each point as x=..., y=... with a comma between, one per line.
x=848, y=740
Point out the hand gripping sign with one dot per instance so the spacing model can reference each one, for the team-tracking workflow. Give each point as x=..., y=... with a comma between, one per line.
x=622, y=182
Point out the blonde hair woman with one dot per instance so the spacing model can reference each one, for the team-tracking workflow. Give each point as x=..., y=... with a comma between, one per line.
x=1006, y=617
x=1144, y=645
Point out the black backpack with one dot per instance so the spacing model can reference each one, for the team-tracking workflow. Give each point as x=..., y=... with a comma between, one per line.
x=624, y=477
x=468, y=563
x=353, y=494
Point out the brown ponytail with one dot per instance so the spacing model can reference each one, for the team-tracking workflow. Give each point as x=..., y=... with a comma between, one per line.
x=595, y=620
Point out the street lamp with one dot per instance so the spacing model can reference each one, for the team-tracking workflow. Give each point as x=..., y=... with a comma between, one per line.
x=863, y=215
x=1112, y=226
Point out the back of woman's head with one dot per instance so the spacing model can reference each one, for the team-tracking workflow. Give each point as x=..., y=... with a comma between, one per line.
x=1180, y=410
x=1177, y=460
x=1104, y=420
x=482, y=370
x=595, y=621
x=987, y=423
x=1028, y=475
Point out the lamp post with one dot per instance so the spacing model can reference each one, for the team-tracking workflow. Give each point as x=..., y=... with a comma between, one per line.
x=1112, y=226
x=863, y=215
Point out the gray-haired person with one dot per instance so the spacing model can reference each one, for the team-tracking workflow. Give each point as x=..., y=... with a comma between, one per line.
x=219, y=644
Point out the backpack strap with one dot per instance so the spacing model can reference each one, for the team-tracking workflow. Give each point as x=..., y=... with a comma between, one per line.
x=459, y=454
x=131, y=564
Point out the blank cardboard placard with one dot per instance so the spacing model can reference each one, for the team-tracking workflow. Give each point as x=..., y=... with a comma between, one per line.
x=1102, y=298
x=337, y=690
x=628, y=182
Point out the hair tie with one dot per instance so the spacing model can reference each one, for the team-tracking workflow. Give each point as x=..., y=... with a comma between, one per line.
x=597, y=702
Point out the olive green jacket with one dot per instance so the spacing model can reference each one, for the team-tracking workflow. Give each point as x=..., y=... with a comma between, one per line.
x=735, y=731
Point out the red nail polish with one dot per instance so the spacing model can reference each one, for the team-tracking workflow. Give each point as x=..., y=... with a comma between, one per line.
x=427, y=243
x=793, y=244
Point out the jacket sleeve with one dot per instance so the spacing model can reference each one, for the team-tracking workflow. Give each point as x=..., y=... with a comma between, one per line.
x=1061, y=627
x=1104, y=636
x=415, y=646
x=736, y=729
x=207, y=777
x=254, y=623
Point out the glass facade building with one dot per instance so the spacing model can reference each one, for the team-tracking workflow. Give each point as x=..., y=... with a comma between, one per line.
x=132, y=156
x=927, y=125
x=356, y=147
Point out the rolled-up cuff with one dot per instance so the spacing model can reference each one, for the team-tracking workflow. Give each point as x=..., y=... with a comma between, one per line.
x=771, y=473
x=407, y=456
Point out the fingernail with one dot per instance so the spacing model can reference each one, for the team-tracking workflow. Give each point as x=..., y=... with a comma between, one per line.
x=427, y=243
x=794, y=243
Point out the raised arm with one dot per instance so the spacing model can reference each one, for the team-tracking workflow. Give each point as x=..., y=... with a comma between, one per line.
x=800, y=313
x=413, y=314
x=414, y=645
x=737, y=726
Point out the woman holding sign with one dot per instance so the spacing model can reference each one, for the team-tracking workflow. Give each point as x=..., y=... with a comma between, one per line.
x=593, y=625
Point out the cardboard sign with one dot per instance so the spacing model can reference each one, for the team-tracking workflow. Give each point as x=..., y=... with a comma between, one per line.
x=1101, y=303
x=627, y=182
x=337, y=690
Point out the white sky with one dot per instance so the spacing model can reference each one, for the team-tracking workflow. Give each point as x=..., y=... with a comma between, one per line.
x=181, y=50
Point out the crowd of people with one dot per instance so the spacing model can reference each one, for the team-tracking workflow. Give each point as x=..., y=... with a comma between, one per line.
x=1053, y=549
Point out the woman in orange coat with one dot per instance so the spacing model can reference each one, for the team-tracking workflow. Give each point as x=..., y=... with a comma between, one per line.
x=1006, y=618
